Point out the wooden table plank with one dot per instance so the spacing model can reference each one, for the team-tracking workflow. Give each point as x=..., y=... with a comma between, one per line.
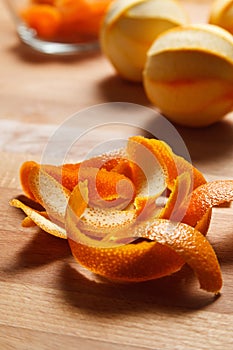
x=46, y=341
x=41, y=271
x=92, y=317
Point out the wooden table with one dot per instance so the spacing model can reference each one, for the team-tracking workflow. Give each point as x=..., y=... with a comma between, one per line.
x=46, y=300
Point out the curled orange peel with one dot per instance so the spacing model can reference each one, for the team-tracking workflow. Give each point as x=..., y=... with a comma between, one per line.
x=39, y=219
x=125, y=234
x=106, y=187
x=25, y=171
x=47, y=192
x=190, y=245
x=205, y=197
x=175, y=206
x=172, y=164
x=28, y=222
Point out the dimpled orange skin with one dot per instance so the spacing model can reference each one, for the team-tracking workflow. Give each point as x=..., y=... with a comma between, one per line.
x=205, y=197
x=172, y=164
x=173, y=247
x=196, y=251
x=167, y=250
x=103, y=184
x=144, y=261
x=129, y=263
x=24, y=173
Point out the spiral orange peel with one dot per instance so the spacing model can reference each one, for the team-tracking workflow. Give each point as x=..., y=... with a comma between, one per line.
x=125, y=235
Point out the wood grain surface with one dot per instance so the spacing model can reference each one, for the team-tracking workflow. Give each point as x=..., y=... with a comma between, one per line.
x=49, y=302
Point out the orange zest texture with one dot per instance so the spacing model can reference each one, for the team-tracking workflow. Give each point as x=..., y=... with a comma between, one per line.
x=130, y=215
x=65, y=20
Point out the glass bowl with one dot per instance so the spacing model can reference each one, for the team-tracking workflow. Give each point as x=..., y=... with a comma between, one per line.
x=59, y=26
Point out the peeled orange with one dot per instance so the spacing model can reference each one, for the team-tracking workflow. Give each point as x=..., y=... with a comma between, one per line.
x=189, y=74
x=221, y=14
x=130, y=27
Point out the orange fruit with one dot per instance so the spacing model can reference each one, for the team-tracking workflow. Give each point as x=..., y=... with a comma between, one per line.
x=130, y=27
x=221, y=14
x=65, y=20
x=188, y=74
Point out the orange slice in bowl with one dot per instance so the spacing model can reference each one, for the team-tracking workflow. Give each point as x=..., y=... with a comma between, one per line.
x=206, y=197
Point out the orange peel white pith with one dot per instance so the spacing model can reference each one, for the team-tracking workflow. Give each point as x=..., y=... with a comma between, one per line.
x=136, y=239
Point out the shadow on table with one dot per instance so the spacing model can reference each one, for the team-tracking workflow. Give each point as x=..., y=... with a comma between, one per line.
x=39, y=250
x=100, y=297
x=208, y=143
x=115, y=89
x=27, y=54
x=42, y=249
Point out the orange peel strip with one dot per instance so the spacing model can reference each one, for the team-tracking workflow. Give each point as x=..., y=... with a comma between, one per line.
x=160, y=150
x=175, y=208
x=184, y=166
x=172, y=164
x=41, y=221
x=98, y=242
x=130, y=262
x=122, y=262
x=97, y=222
x=67, y=177
x=28, y=222
x=44, y=18
x=203, y=198
x=204, y=223
x=192, y=246
x=49, y=193
x=24, y=174
x=148, y=175
x=106, y=188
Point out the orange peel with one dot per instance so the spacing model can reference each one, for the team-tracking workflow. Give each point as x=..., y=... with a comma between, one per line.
x=205, y=197
x=174, y=208
x=39, y=219
x=49, y=193
x=136, y=239
x=24, y=173
x=123, y=262
x=28, y=222
x=105, y=183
